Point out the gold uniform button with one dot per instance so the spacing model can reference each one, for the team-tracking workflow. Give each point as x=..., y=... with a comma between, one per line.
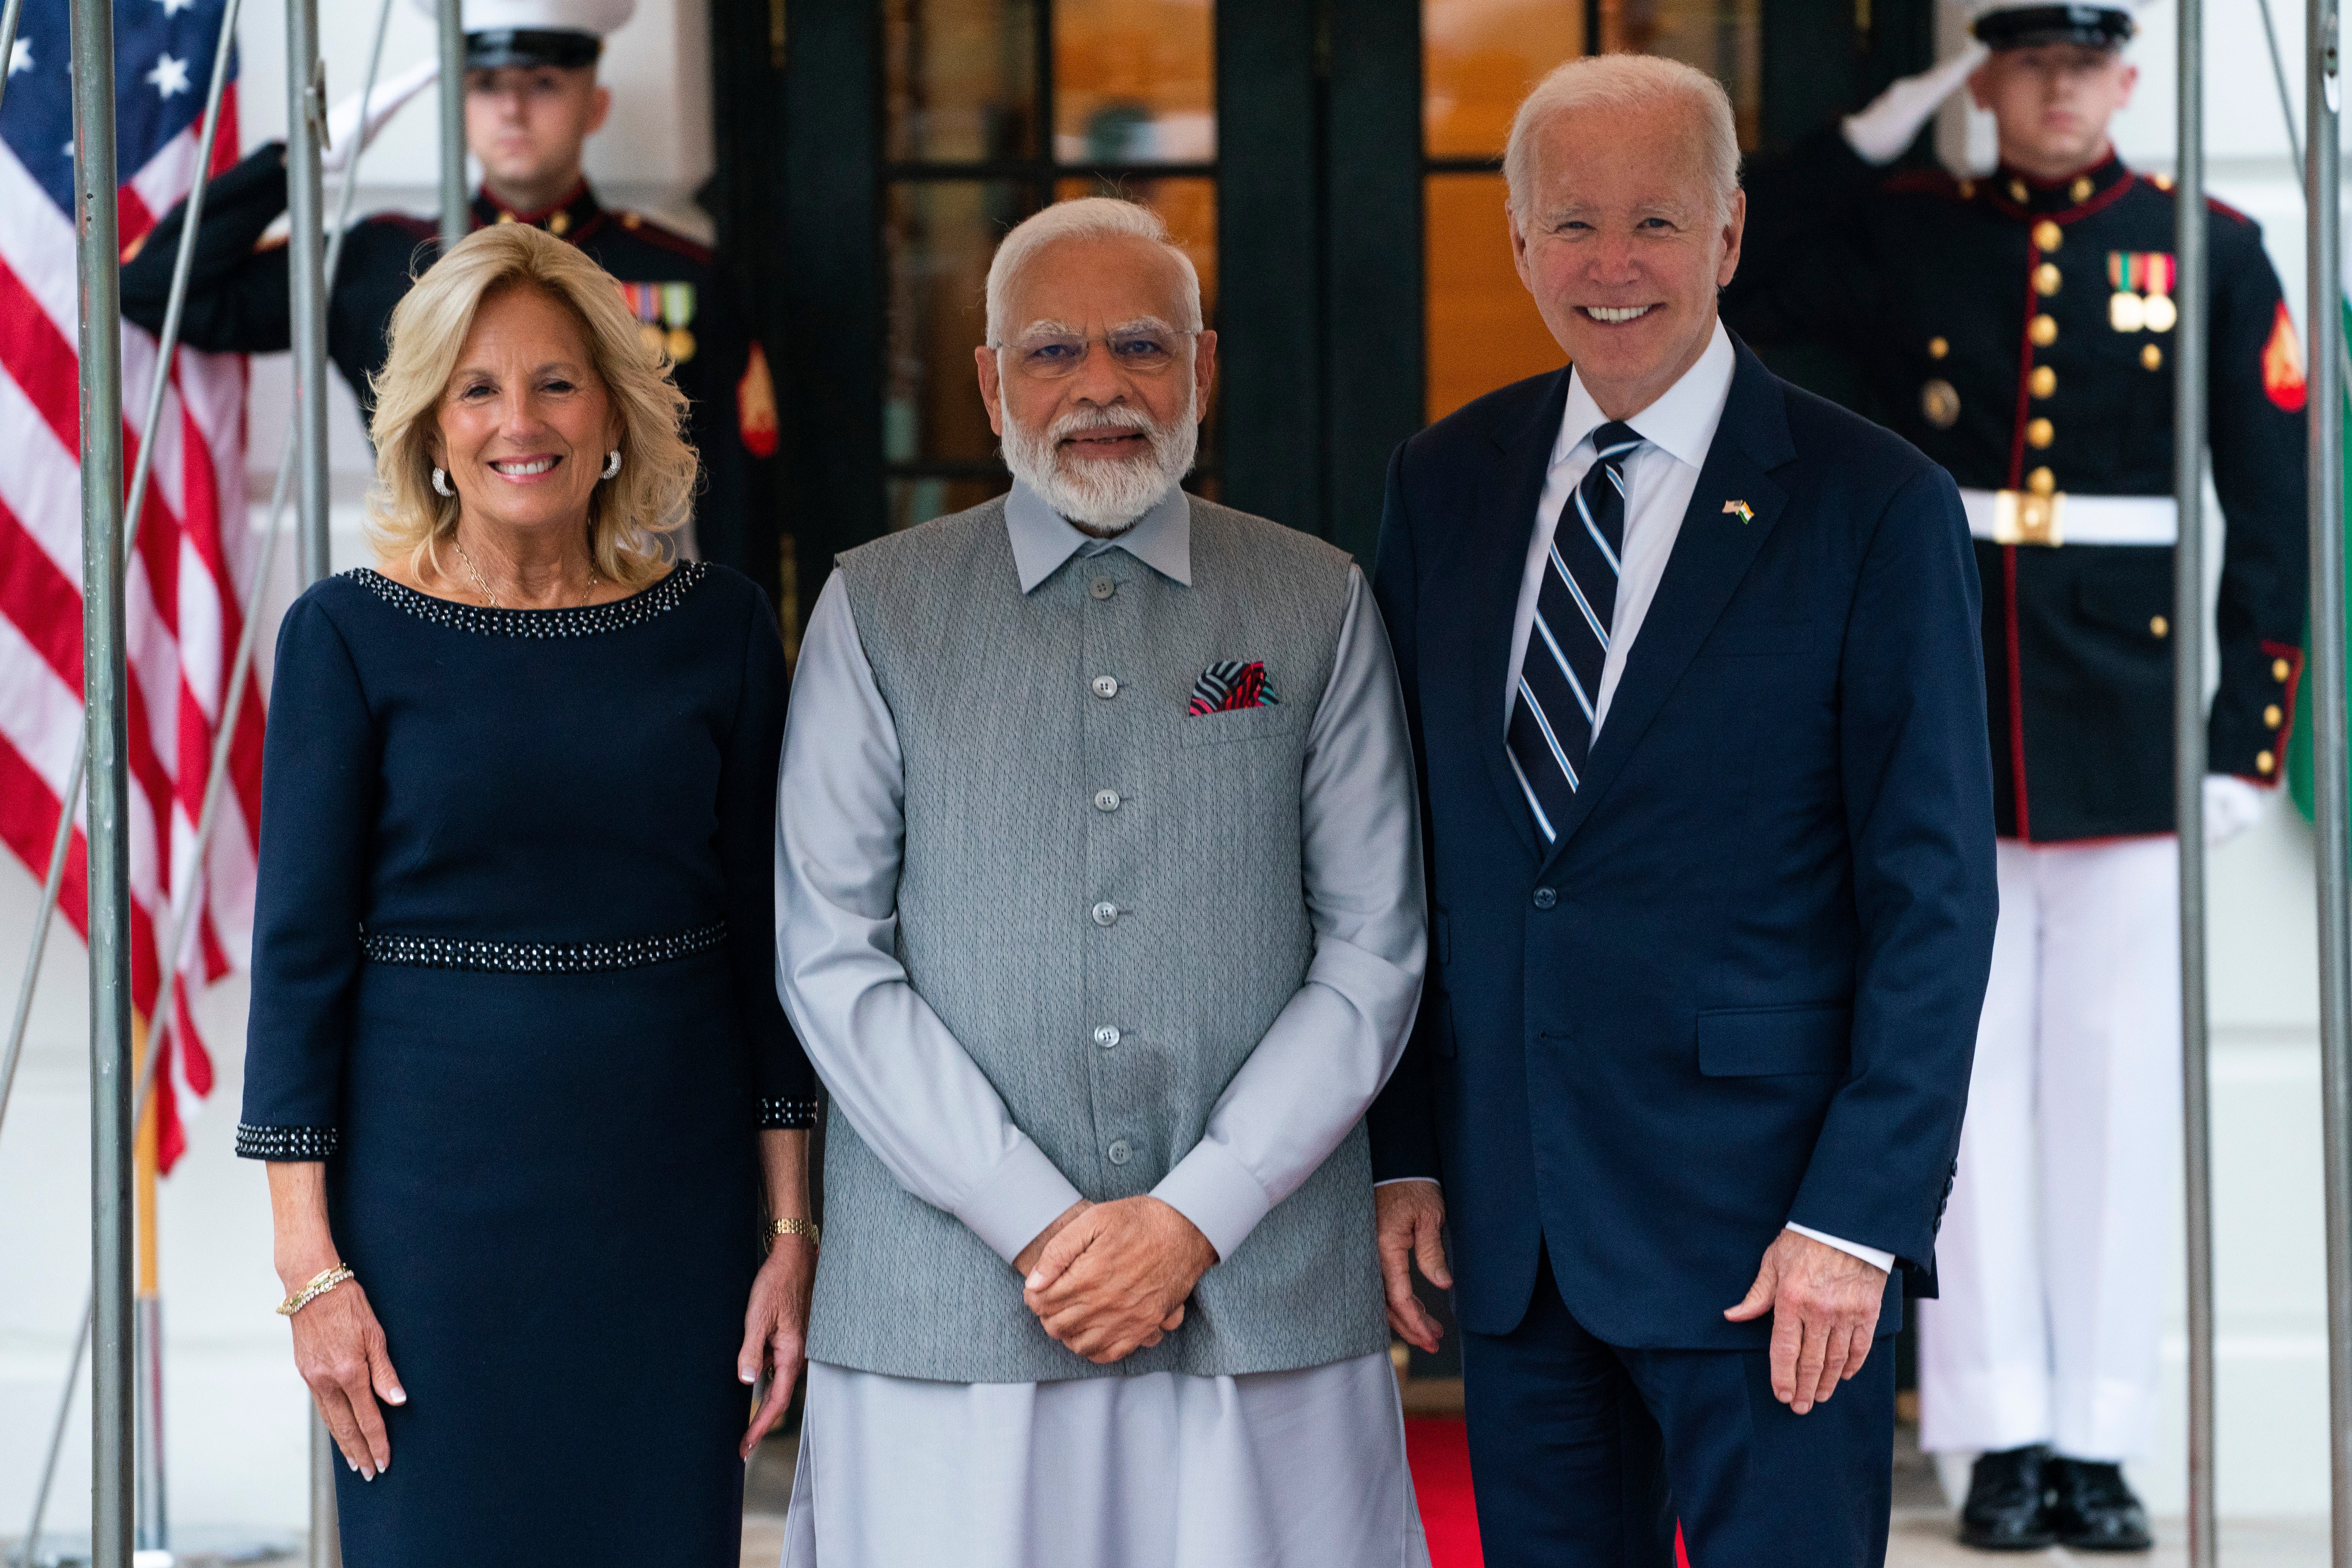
x=1938, y=347
x=2040, y=432
x=1968, y=190
x=2158, y=626
x=2264, y=762
x=630, y=220
x=2048, y=236
x=2041, y=483
x=2018, y=193
x=559, y=224
x=2080, y=191
x=2161, y=182
x=2045, y=278
x=2273, y=717
x=2152, y=357
x=2043, y=332
x=2043, y=381
x=2279, y=670
x=1940, y=403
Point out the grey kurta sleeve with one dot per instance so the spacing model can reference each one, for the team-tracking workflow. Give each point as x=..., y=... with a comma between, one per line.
x=907, y=1085
x=1330, y=1049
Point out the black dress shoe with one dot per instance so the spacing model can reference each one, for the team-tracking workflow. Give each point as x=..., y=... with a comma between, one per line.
x=2092, y=1507
x=2004, y=1511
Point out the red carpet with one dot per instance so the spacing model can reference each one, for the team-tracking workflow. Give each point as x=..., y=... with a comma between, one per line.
x=1439, y=1450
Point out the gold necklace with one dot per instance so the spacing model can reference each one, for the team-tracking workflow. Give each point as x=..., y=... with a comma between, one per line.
x=482, y=583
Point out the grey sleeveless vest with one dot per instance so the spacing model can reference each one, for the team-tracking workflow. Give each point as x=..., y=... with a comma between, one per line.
x=1005, y=926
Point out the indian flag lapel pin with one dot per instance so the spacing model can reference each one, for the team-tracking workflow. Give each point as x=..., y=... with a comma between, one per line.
x=1740, y=509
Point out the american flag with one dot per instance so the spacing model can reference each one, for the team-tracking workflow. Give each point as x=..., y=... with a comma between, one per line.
x=194, y=550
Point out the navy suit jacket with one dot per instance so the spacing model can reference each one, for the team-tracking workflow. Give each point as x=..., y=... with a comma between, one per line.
x=1742, y=988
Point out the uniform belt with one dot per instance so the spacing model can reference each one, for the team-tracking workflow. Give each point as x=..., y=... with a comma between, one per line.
x=2017, y=516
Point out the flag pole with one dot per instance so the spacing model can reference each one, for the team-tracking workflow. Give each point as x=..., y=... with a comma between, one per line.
x=98, y=259
x=167, y=344
x=457, y=216
x=155, y=1531
x=13, y=13
x=2324, y=409
x=2189, y=763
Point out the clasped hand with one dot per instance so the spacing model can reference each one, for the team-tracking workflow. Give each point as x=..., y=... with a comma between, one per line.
x=1110, y=1280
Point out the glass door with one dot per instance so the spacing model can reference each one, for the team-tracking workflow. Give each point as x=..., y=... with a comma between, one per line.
x=990, y=108
x=1479, y=58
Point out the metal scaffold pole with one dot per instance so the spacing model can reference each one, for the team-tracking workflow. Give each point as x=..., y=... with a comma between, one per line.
x=2189, y=764
x=457, y=216
x=306, y=121
x=2324, y=410
x=97, y=251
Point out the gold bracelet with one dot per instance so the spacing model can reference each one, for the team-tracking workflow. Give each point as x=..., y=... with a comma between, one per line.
x=795, y=1227
x=326, y=1280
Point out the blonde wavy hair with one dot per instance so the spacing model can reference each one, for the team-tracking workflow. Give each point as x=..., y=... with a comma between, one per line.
x=631, y=517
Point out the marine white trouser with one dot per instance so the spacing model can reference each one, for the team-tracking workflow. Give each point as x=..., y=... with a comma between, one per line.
x=2054, y=1254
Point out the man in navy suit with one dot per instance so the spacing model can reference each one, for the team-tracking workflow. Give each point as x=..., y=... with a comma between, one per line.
x=1692, y=663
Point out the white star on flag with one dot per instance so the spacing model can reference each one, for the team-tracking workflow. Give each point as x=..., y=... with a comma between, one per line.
x=170, y=76
x=20, y=56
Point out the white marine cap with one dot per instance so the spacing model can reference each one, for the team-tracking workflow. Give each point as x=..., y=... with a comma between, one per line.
x=536, y=32
x=2020, y=24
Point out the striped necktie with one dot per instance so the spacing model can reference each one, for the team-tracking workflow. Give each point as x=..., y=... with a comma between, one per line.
x=1560, y=679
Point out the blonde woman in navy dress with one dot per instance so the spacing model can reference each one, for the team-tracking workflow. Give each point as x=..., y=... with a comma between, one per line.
x=516, y=1058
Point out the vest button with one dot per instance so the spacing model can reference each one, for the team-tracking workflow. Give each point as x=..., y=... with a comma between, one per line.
x=1107, y=800
x=1105, y=685
x=1104, y=912
x=1120, y=1151
x=1106, y=1037
x=1102, y=587
x=1546, y=898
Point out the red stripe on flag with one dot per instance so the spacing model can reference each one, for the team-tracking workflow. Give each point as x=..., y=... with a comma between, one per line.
x=37, y=357
x=29, y=823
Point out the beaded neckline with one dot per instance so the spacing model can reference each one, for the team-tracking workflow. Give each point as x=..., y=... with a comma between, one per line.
x=580, y=621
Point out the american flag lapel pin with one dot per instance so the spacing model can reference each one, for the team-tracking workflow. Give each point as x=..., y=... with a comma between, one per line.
x=1740, y=509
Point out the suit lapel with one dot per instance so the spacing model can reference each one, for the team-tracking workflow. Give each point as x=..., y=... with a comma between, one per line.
x=1711, y=555
x=1505, y=511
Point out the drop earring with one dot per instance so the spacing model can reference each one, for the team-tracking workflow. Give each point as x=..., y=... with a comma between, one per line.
x=441, y=485
x=613, y=464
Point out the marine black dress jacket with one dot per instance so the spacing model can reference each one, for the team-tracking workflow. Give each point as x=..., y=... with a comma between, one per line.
x=1742, y=988
x=2023, y=333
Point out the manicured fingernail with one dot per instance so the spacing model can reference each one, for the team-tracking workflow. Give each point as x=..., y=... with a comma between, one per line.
x=398, y=1396
x=1037, y=1281
x=354, y=1464
x=367, y=1472
x=747, y=1373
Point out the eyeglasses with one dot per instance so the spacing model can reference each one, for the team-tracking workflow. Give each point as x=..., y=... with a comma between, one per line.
x=1141, y=351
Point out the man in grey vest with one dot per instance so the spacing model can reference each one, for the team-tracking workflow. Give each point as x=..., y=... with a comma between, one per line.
x=1100, y=911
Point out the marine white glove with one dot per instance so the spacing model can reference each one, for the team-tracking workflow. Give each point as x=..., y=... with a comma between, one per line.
x=1880, y=132
x=346, y=136
x=2232, y=805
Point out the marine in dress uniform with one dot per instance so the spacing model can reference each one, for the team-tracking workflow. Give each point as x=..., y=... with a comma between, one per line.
x=239, y=292
x=2021, y=330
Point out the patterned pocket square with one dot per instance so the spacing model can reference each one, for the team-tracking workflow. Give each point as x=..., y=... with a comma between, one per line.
x=1229, y=685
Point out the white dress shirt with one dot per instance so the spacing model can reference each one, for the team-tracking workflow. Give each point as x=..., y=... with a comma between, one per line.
x=1659, y=478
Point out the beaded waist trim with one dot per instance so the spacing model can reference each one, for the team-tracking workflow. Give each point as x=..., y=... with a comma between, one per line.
x=537, y=957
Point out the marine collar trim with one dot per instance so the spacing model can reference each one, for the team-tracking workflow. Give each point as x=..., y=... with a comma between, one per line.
x=586, y=620
x=2070, y=196
x=570, y=218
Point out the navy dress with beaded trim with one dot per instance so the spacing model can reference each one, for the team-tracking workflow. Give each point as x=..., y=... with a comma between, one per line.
x=514, y=983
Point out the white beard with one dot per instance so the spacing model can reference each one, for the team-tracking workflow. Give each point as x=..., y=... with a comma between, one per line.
x=1104, y=497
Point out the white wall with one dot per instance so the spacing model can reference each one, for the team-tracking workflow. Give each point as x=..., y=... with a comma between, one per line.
x=236, y=1422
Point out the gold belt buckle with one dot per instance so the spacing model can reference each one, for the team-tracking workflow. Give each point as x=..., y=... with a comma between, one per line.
x=2019, y=517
